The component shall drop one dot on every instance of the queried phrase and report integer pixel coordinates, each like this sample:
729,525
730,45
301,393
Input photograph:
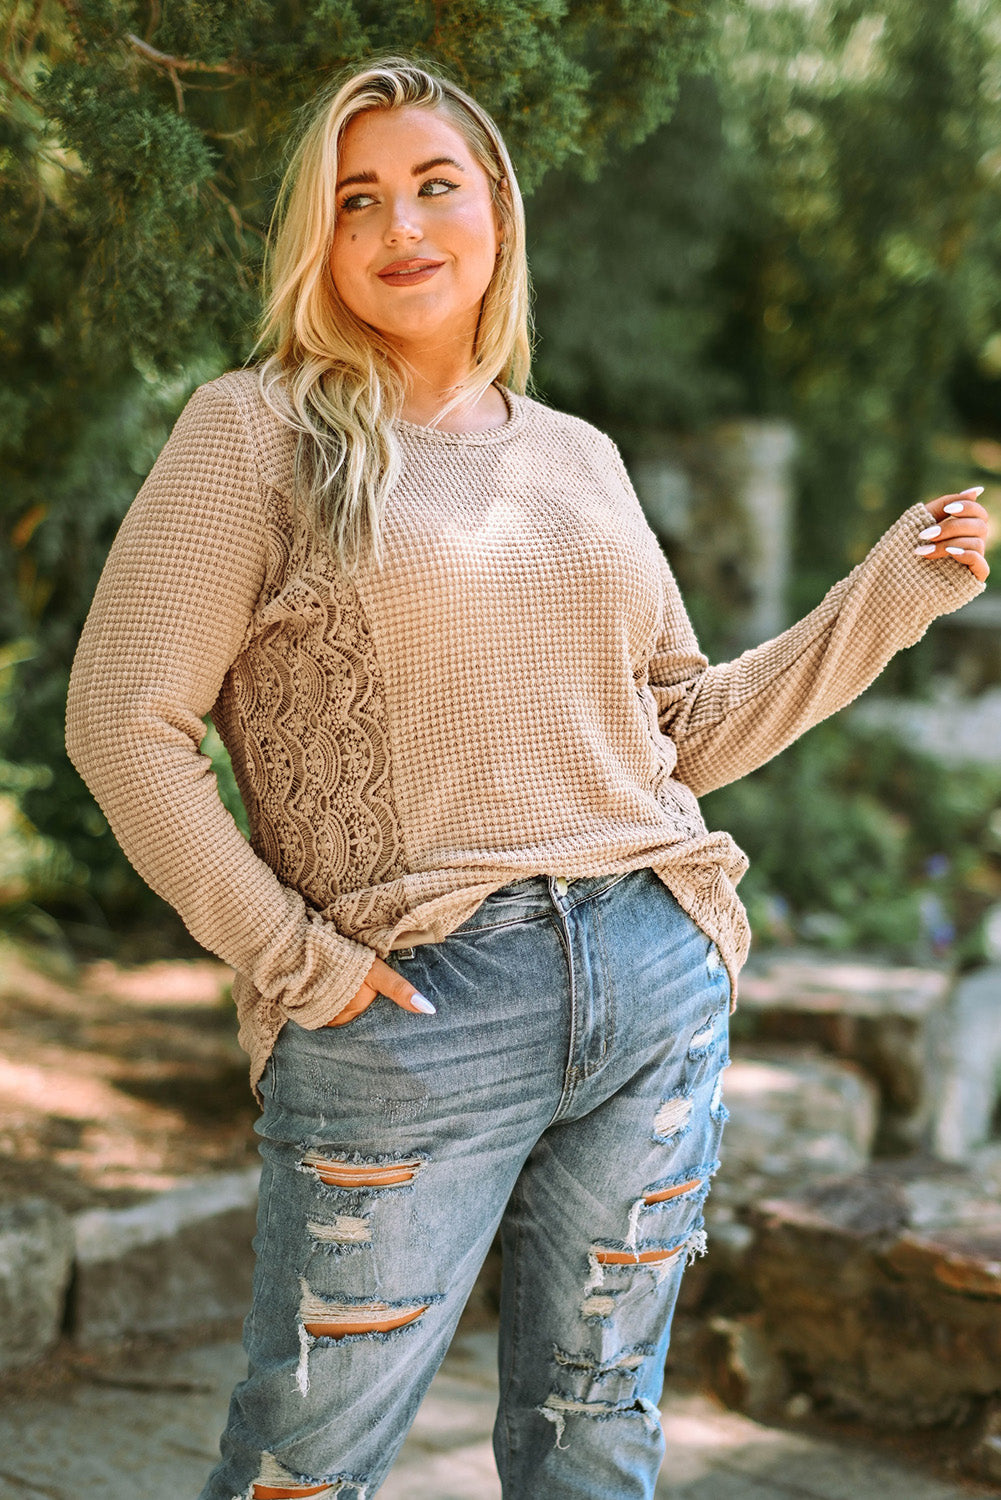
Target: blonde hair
330,376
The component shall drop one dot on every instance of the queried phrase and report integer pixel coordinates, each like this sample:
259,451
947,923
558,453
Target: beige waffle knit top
517,691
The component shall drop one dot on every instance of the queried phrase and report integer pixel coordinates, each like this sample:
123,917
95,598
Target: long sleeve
728,719
170,615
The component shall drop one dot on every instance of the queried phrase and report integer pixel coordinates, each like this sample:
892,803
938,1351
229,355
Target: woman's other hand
382,980
960,532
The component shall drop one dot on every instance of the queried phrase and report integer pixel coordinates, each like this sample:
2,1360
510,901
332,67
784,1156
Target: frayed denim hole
321,1146
274,1475
567,1359
701,1177
345,1234
714,1032
598,1307
346,1198
672,1119
556,1409
614,1380
314,1309
361,1303
717,1108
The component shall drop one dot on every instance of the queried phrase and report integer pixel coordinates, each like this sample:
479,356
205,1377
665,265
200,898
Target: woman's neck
432,383
489,409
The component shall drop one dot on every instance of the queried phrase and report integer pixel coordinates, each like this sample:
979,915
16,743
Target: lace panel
309,698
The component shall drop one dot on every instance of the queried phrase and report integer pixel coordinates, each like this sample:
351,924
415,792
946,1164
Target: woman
485,948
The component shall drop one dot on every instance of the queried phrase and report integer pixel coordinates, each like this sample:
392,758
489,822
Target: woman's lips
409,272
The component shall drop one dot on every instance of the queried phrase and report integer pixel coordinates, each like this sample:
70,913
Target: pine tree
141,145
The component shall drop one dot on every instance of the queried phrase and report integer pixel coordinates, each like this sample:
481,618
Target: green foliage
815,234
628,316
141,147
864,148
857,841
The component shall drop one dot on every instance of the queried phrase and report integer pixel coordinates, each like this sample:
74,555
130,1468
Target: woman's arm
170,614
727,720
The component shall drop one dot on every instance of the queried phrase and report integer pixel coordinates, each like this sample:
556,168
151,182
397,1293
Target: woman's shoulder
570,434
236,399
546,417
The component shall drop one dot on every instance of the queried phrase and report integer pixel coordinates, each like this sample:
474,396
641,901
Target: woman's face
416,238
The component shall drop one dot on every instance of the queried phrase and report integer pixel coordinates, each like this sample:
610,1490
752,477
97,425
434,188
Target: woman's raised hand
382,980
960,532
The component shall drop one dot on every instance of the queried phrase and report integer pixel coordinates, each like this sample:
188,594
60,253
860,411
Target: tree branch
154,18
34,26
15,83
11,26
239,222
72,11
180,64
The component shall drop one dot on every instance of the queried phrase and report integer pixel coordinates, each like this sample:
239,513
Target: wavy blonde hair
331,377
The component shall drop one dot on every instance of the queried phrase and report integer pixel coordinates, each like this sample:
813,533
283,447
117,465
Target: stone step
879,1292
179,1258
794,1111
794,1116
928,1039
36,1258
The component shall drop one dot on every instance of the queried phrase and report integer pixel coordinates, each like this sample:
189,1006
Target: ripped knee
339,1320
275,1482
338,1171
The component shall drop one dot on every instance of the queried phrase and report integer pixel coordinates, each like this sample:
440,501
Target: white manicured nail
929,532
923,551
955,551
424,1006
975,492
955,508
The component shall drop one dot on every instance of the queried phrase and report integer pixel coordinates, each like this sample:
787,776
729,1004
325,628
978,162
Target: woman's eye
436,187
355,202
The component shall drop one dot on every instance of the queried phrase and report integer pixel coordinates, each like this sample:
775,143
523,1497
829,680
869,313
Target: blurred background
765,237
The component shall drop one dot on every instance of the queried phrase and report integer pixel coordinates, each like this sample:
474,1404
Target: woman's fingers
382,980
358,1002
968,550
959,532
966,503
398,989
965,550
962,542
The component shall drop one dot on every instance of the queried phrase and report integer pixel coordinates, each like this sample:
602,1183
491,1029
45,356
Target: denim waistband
535,894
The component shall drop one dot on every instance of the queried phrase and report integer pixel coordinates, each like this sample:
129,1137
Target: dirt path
117,1080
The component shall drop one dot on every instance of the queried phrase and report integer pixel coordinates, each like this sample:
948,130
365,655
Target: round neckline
515,421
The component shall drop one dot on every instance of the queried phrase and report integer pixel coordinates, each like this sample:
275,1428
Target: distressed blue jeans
568,1091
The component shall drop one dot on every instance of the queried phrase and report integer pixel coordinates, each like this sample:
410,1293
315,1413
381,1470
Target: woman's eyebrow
356,177
437,161
424,166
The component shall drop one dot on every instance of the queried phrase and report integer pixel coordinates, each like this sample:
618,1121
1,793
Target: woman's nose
403,224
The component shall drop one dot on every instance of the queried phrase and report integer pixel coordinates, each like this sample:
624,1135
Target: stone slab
181,1258
36,1254
886,1018
965,1071
791,1112
793,1116
884,1290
